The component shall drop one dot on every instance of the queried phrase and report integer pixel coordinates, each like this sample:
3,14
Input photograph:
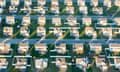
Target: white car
0,20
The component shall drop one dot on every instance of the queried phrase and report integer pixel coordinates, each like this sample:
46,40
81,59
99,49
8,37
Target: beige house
101,64
74,32
54,9
20,63
41,10
13,9
81,2
69,9
117,63
117,20
3,63
61,64
81,63
78,48
8,31
26,20
58,32
27,2
94,3
114,47
96,47
41,20
15,2
89,31
102,21
107,32
56,20
24,31
97,10
117,2
55,2
41,31
41,2
2,3
23,48
41,63
68,2
61,48
86,21
41,48
10,20
5,48
71,21
107,3
83,10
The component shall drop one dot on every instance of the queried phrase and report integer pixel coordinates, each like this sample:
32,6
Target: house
41,2
94,3
23,48
41,20
61,48
101,64
83,10
69,9
41,64
56,20
89,31
14,2
41,48
24,31
117,2
5,48
55,2
117,63
78,48
41,10
86,21
107,32
54,9
27,2
96,47
41,31
1,10
102,21
3,63
81,2
26,9
117,21
10,20
13,9
68,2
61,64
107,3
8,31
71,20
26,20
2,3
58,32
116,31
81,63
21,62
114,47
74,32
97,10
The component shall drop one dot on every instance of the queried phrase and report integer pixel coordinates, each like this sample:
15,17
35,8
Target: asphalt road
67,41
61,16
63,0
